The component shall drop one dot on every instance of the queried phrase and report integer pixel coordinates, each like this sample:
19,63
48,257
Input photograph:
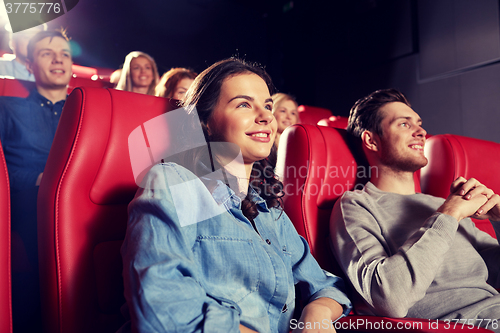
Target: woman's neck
140,90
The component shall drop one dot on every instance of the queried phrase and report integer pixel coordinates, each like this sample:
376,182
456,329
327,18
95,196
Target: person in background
175,83
235,270
15,65
115,77
139,74
27,129
286,114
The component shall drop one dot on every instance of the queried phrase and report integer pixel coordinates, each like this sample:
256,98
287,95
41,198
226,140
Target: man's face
51,63
401,146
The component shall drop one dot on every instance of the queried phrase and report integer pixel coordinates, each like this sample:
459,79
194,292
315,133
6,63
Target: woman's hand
318,316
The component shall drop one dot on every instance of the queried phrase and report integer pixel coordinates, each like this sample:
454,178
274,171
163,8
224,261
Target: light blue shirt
212,275
15,69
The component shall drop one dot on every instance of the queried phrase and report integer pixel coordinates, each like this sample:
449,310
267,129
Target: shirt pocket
229,268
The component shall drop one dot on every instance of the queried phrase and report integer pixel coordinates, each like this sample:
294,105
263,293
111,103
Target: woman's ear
370,141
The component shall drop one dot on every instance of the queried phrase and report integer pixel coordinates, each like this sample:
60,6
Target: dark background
443,54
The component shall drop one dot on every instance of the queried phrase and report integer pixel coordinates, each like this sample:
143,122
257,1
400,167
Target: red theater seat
5,249
334,121
317,166
20,88
451,156
95,82
311,114
15,88
82,208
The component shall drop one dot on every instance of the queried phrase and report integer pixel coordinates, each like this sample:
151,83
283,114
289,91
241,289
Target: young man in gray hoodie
409,254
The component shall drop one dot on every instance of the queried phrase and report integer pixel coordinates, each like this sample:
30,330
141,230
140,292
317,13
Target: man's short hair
41,35
365,114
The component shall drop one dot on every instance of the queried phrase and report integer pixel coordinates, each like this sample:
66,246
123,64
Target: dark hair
204,94
41,35
169,80
365,114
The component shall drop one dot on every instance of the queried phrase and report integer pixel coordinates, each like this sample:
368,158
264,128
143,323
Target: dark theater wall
444,55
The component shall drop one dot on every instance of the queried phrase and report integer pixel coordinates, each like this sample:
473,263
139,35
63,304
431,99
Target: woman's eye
244,104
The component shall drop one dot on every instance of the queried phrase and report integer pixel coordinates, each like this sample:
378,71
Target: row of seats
89,181
21,88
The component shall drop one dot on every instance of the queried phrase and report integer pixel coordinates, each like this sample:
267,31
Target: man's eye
269,107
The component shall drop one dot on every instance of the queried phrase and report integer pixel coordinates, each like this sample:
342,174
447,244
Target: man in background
14,65
27,129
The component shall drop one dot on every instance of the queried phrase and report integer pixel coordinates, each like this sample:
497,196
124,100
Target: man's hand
317,316
467,194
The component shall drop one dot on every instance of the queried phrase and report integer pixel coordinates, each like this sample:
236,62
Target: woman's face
181,88
141,72
243,115
286,114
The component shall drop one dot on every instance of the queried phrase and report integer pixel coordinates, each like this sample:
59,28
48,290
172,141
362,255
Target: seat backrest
77,81
310,115
451,156
334,121
5,249
82,208
316,167
15,88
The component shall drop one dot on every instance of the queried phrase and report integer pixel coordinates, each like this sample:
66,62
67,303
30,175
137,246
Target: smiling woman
139,74
235,270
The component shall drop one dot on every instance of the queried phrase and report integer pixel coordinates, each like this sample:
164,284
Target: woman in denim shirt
208,247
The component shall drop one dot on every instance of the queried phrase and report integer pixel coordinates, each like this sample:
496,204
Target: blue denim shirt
27,129
213,275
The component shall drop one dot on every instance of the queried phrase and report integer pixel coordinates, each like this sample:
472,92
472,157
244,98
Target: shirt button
55,113
285,309
41,104
268,241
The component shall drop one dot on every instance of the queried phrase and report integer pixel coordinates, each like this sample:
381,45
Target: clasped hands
470,198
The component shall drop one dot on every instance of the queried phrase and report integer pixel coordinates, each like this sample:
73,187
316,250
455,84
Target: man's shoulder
13,102
357,195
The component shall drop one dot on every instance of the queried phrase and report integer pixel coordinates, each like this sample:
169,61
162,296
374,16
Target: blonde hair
125,82
279,98
169,80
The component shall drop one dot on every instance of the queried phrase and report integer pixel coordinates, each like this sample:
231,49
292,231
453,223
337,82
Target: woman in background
175,83
201,255
139,74
286,114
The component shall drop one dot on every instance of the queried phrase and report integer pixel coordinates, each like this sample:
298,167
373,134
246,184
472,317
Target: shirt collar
223,194
36,97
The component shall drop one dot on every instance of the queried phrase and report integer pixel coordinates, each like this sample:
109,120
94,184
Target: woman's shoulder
166,174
